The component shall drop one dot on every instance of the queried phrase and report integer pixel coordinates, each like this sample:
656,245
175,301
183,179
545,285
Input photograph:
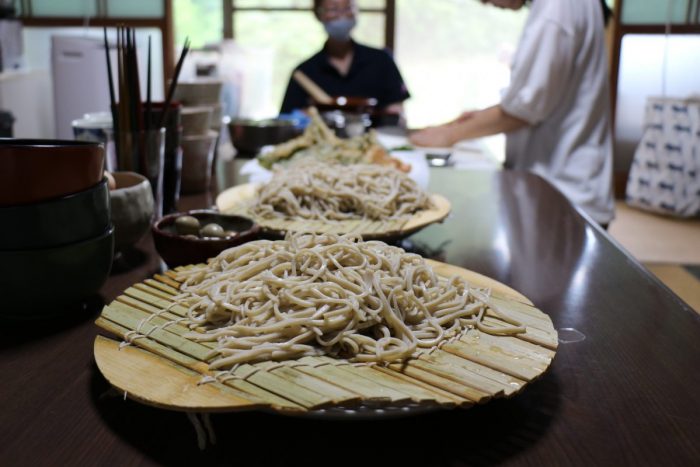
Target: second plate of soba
374,201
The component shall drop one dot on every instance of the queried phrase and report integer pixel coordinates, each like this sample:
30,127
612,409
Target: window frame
389,12
691,25
102,19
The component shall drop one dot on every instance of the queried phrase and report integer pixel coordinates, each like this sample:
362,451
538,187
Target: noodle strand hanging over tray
328,295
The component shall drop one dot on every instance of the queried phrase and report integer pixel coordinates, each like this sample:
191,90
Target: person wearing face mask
345,68
556,111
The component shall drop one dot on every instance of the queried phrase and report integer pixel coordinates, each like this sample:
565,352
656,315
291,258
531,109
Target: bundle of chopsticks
129,119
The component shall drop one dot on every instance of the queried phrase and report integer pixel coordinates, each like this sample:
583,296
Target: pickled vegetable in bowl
192,237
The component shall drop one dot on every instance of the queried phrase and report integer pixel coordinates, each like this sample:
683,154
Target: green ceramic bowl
48,281
60,221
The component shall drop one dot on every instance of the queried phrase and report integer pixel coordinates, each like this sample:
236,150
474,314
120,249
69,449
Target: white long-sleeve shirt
559,85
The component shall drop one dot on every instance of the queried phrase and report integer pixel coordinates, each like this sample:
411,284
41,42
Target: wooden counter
623,388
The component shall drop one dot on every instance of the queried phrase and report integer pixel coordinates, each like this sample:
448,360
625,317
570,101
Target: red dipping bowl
180,250
34,170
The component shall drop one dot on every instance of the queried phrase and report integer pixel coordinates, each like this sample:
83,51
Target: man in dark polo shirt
345,68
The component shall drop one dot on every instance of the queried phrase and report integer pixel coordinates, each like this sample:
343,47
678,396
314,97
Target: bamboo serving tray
163,369
236,200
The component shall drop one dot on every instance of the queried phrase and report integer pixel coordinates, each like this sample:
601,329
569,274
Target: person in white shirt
556,110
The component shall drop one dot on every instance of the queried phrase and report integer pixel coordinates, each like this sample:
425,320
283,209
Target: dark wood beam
228,18
168,31
390,25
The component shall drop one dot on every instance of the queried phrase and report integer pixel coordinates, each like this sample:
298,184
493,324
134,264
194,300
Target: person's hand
434,136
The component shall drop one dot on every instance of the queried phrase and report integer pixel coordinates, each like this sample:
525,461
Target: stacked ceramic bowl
201,125
57,239
132,208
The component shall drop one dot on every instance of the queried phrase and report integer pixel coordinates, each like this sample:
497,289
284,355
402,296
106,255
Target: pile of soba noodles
327,191
328,295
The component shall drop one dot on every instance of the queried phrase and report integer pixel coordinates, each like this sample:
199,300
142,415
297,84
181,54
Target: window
453,54
275,35
199,20
287,32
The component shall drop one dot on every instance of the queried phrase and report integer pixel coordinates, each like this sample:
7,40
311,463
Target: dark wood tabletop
623,388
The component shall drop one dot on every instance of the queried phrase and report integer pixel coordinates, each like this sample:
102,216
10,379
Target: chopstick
112,100
134,100
128,115
173,83
122,117
149,103
136,104
314,90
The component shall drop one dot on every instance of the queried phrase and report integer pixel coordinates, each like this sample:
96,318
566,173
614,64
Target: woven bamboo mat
164,369
237,200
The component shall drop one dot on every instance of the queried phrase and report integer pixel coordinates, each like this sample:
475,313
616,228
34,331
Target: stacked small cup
201,125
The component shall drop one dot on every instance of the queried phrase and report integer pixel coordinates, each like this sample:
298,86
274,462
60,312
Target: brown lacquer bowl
34,170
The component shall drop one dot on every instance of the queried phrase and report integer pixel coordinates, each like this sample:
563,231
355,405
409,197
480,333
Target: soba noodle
328,295
319,190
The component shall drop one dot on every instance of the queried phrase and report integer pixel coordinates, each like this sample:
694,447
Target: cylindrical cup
143,152
197,160
172,164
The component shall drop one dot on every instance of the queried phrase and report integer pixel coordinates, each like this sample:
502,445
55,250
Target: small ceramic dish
178,249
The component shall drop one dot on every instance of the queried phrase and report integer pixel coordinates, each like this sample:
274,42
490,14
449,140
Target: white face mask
339,29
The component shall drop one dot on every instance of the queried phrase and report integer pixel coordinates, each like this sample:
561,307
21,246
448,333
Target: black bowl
250,136
46,282
60,221
179,250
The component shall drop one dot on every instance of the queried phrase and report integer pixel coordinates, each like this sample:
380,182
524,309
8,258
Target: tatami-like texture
668,247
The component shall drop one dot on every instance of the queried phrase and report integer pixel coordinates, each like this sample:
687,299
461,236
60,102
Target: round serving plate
164,369
237,200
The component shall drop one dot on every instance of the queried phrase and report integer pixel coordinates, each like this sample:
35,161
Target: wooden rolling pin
314,90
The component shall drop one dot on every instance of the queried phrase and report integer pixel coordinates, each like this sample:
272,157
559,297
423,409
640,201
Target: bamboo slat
458,388
122,378
498,361
443,398
506,383
251,392
161,286
165,368
275,384
370,390
337,394
401,389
